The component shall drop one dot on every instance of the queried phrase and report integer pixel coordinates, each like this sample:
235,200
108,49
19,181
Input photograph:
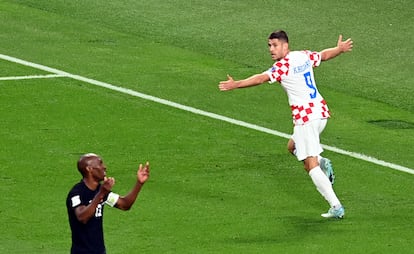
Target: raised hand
143,173
344,46
107,184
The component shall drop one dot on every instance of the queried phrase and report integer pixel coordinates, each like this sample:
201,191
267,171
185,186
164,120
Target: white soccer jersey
295,74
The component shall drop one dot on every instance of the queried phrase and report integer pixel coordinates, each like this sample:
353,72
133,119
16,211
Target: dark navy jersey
86,238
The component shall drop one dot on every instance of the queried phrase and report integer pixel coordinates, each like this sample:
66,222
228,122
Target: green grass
215,187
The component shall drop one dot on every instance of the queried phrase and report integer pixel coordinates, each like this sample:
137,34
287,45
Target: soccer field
136,81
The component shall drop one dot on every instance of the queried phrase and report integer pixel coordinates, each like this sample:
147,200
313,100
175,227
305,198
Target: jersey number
98,211
309,83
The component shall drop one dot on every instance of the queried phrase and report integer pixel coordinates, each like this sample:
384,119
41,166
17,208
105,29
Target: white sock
324,186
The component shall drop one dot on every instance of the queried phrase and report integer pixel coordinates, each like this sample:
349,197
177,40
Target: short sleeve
314,57
75,201
278,71
271,77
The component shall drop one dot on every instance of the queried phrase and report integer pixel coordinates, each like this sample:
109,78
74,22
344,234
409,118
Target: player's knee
310,163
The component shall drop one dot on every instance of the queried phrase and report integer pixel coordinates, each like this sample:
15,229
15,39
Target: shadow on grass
290,229
392,124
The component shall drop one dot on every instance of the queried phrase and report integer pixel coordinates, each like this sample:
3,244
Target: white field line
200,112
33,77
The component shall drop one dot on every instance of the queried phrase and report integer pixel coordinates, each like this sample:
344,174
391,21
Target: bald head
85,161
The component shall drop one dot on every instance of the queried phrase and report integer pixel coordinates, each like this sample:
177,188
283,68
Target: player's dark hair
280,35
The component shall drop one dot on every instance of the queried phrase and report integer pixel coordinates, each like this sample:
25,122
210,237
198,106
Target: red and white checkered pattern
295,74
315,57
281,69
301,114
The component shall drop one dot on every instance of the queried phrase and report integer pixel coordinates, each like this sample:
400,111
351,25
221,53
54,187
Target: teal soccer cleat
327,168
335,213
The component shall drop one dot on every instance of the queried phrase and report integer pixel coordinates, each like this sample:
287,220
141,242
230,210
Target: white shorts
306,138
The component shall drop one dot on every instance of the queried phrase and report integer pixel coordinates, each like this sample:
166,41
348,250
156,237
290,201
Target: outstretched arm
125,202
254,80
341,47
